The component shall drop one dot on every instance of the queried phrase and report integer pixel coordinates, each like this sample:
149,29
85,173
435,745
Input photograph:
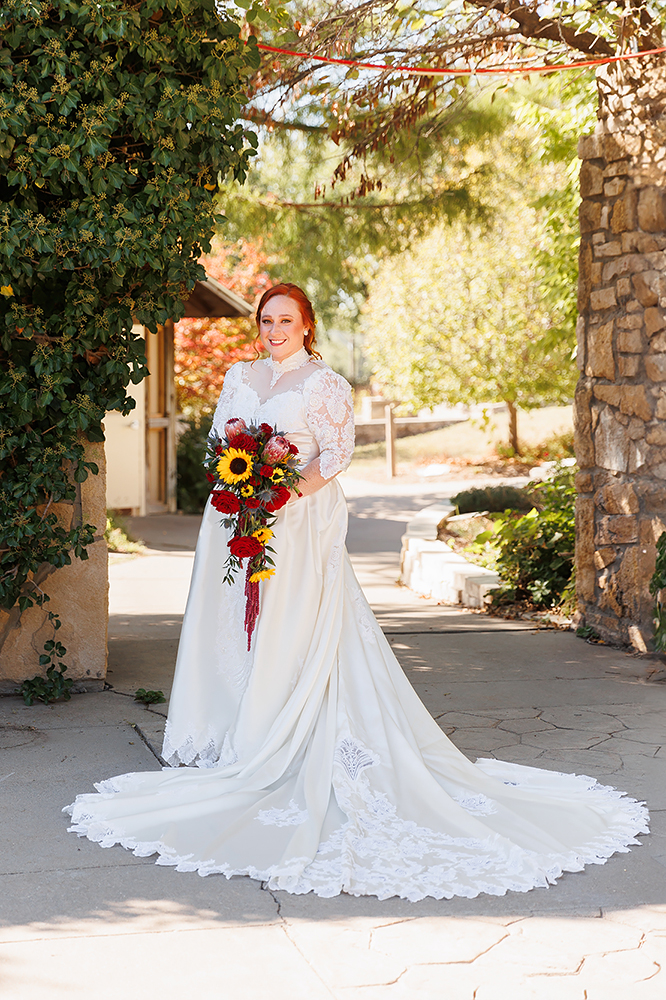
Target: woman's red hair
304,307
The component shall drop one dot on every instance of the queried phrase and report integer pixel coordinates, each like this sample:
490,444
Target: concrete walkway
80,922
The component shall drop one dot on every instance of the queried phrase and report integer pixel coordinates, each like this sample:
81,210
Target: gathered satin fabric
315,765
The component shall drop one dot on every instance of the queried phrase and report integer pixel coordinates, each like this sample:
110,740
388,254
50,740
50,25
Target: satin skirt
320,770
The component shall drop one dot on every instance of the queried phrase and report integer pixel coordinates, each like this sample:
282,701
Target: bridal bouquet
254,470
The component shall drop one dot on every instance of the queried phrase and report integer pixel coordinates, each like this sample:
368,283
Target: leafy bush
117,535
536,557
149,697
117,120
493,498
553,449
55,685
192,486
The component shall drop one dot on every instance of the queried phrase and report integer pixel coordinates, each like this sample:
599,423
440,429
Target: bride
318,767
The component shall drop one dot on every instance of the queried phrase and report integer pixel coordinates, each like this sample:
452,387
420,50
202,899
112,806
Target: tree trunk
513,427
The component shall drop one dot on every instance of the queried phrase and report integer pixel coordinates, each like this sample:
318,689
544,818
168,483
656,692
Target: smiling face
281,327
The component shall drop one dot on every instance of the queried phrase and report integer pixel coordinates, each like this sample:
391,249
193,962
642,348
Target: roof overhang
210,298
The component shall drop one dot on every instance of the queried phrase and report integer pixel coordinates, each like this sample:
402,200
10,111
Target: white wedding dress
319,768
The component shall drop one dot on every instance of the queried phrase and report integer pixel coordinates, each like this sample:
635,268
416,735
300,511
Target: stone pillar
620,406
79,594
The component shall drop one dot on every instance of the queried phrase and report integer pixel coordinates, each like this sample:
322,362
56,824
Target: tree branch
349,204
533,26
265,118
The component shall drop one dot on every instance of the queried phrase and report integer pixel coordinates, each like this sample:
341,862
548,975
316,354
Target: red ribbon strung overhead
466,71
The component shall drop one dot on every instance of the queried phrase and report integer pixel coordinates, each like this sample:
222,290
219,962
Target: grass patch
545,434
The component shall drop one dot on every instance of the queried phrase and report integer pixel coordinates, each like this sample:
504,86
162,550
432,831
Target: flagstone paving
77,921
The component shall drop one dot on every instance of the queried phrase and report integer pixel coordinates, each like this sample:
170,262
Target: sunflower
247,491
263,535
235,466
261,574
278,475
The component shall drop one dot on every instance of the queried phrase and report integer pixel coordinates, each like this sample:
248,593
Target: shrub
553,449
493,498
117,120
192,486
536,557
118,536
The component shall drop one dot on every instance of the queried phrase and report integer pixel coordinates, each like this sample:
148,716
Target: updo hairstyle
304,307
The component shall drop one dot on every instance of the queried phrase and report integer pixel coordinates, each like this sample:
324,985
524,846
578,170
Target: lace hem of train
379,854
201,752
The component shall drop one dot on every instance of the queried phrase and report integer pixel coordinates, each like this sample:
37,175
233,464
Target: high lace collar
289,364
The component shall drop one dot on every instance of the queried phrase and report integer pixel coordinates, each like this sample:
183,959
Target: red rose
266,470
225,501
219,449
244,441
266,428
280,497
210,477
243,546
293,449
252,503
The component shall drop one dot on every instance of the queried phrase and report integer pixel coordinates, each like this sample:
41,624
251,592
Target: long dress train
319,768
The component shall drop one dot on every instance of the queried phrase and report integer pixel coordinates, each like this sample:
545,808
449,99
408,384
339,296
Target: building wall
141,447
79,594
620,409
125,448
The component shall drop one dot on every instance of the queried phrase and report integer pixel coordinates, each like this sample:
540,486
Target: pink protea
233,428
276,449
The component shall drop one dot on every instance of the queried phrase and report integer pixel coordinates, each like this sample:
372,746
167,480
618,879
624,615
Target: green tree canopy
460,319
330,242
387,108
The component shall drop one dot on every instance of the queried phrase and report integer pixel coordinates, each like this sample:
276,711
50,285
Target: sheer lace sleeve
329,413
225,404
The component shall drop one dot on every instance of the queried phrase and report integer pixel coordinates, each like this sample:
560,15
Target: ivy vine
117,121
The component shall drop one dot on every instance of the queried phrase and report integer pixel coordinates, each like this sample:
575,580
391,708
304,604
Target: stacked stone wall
620,408
78,593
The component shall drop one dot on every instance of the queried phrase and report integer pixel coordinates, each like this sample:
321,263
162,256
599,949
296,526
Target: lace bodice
303,397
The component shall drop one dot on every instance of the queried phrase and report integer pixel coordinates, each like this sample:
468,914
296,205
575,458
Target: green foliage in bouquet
117,121
536,558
